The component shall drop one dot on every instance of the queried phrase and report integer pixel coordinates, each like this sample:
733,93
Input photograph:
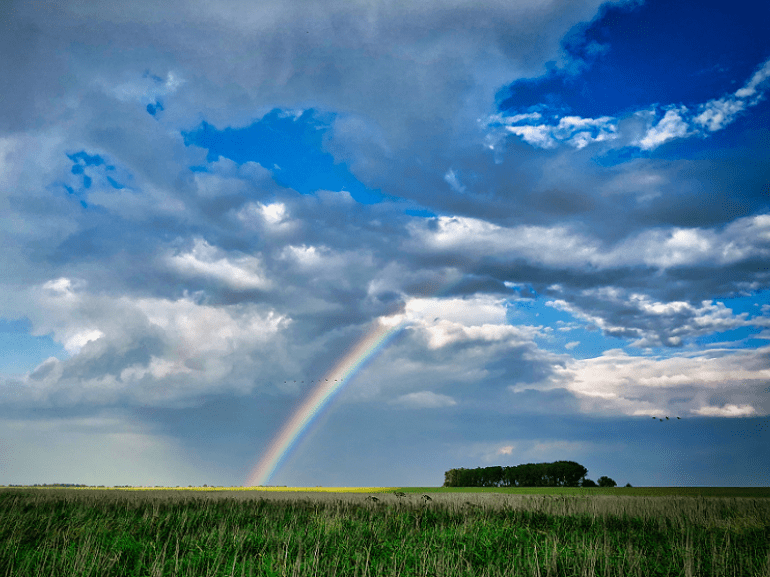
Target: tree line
557,474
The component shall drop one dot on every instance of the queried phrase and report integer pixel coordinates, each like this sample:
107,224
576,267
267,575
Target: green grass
74,532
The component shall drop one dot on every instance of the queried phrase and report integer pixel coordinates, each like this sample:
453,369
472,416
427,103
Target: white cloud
241,273
540,136
727,411
757,80
669,127
576,131
454,181
140,348
62,295
273,218
445,321
561,247
275,213
717,114
425,400
619,383
475,311
548,245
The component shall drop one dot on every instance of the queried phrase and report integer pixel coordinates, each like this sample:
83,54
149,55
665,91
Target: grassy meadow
279,531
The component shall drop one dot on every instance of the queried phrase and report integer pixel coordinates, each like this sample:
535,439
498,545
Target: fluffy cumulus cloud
205,206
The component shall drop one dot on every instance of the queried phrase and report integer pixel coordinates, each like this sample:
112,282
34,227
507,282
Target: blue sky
566,204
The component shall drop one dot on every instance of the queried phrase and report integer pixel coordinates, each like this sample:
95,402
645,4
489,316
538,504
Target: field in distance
744,492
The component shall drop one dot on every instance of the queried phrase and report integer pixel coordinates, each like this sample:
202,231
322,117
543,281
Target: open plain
221,531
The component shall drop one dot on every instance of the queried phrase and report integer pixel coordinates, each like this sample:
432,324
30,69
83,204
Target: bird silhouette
667,418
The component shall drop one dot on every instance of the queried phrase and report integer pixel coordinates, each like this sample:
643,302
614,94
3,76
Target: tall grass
153,533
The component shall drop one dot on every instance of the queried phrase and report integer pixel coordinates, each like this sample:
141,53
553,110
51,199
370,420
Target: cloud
669,127
728,411
453,181
690,384
425,400
573,130
242,273
147,350
558,246
651,323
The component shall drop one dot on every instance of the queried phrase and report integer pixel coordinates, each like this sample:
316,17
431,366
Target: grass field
219,531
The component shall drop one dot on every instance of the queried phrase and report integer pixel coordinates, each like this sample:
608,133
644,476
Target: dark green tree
558,474
606,482
588,483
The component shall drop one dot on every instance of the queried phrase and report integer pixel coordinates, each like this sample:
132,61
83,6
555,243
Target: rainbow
373,342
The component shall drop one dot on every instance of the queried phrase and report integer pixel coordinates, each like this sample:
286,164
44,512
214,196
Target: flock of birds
662,419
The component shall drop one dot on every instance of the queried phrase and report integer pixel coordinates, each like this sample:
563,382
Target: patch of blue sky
22,352
114,183
420,212
636,55
290,146
84,163
754,304
742,337
86,159
563,333
615,156
154,107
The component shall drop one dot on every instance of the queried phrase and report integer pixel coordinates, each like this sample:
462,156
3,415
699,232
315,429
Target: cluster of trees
558,474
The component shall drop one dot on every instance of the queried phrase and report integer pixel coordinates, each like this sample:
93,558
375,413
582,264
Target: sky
361,243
